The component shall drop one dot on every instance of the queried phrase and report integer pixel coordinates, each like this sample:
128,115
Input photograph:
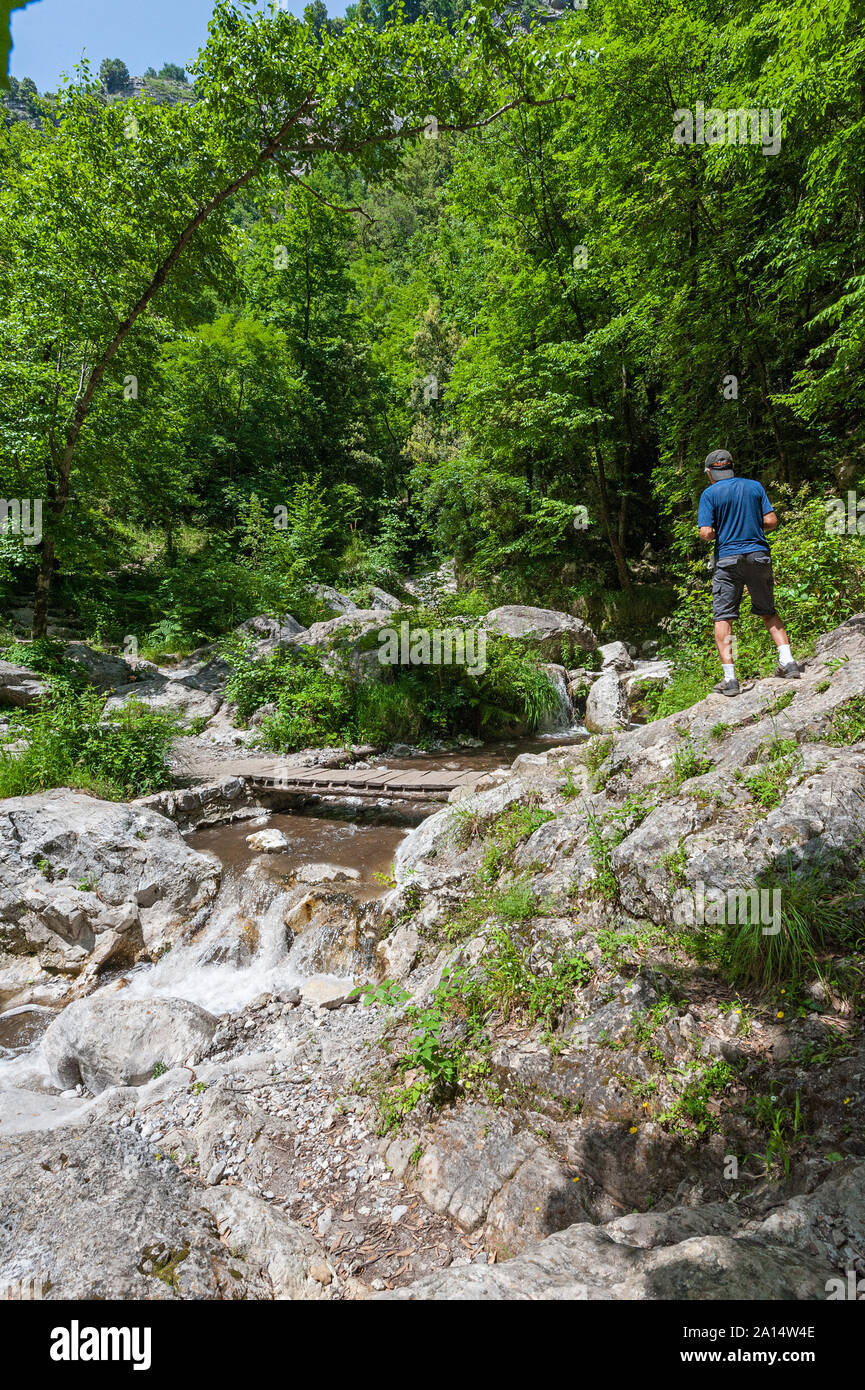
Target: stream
245,949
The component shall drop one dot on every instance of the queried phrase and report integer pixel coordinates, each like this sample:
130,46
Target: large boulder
112,1040
20,686
333,600
269,633
616,655
556,636
607,707
101,670
182,697
346,629
74,869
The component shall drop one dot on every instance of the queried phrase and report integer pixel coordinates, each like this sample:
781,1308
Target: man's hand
770,521
707,533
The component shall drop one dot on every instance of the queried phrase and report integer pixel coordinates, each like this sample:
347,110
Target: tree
273,95
173,71
114,74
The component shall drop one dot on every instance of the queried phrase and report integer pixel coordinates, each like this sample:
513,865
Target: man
735,513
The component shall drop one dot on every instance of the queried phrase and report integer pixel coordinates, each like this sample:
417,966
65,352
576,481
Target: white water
212,970
218,970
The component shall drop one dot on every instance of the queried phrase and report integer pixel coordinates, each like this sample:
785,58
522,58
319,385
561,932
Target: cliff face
164,91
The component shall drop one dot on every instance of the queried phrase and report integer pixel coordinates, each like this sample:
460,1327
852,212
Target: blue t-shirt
735,507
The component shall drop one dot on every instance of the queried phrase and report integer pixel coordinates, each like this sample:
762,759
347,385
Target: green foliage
69,743
688,763
820,907
387,994
768,785
847,724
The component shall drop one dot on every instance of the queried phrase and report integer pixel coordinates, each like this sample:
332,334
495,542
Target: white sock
729,671
785,656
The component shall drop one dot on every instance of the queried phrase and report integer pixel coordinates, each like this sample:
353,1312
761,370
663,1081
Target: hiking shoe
788,673
727,687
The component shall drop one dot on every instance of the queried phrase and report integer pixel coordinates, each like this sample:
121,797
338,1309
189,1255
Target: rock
382,599
345,630
104,1219
519,1191
270,633
398,952
335,601
607,705
72,867
584,1263
268,841
181,697
102,670
324,992
647,673
111,1040
616,655
557,636
649,651
325,873
267,1240
20,686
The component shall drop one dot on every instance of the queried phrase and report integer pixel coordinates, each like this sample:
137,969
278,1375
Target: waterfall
561,719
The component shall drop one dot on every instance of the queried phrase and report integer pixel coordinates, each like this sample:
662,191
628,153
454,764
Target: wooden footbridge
402,784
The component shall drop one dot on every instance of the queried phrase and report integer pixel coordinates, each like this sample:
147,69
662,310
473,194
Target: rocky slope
563,1092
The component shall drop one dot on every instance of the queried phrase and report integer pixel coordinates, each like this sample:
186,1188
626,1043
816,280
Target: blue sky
49,36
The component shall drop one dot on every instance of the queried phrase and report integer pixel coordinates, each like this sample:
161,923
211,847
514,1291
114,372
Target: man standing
736,514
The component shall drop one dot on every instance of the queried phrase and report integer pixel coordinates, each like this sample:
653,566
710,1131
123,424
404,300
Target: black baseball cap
719,459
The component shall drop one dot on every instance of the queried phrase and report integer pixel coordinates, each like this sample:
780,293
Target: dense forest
437,283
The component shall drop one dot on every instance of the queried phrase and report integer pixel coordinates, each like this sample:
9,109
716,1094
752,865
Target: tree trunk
43,587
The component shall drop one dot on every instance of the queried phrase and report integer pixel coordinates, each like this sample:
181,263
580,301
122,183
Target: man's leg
726,597
778,633
724,640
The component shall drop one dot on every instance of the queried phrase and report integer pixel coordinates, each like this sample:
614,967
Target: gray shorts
733,573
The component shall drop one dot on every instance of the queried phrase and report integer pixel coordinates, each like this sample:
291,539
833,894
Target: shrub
70,744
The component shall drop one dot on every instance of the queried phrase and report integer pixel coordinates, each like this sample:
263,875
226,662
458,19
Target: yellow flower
846,1100
780,1013
575,1180
783,991
633,1129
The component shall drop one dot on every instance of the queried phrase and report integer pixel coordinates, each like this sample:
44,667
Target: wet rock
325,873
268,841
110,1040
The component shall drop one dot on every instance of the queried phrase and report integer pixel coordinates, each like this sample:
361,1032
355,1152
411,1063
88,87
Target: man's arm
770,521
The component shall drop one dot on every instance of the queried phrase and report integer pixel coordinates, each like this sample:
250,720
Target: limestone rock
607,705
110,1040
557,636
